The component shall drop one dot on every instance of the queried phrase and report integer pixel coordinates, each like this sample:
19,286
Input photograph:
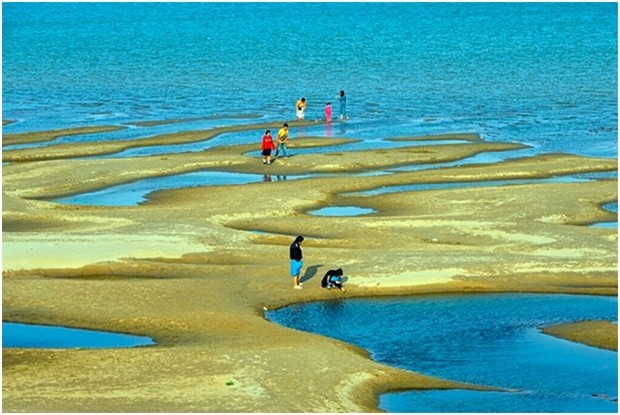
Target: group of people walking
332,278
268,145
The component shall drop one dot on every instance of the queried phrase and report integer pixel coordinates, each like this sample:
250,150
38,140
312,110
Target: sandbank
196,268
42,136
69,150
602,334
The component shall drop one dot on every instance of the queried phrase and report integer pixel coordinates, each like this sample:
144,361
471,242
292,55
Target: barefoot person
282,140
266,146
296,261
333,278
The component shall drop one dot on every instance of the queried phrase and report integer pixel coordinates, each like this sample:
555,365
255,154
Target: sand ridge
195,268
602,334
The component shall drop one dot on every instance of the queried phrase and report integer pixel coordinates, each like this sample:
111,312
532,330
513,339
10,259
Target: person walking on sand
266,146
282,140
328,112
300,108
332,279
343,106
296,261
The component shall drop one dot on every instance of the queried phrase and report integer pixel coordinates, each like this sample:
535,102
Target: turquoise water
611,207
544,74
342,211
134,193
492,340
18,335
573,178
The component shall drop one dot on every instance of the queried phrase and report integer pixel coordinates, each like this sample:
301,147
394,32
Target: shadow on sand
310,272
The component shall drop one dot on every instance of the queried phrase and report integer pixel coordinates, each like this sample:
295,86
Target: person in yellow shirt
300,108
282,140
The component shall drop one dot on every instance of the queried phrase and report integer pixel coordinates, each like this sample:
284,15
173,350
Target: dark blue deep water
492,340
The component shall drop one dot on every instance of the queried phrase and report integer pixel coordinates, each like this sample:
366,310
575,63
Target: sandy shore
195,268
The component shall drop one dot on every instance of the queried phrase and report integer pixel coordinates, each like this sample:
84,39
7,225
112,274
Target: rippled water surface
540,73
492,340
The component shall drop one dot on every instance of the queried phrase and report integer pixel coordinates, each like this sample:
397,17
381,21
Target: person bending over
333,278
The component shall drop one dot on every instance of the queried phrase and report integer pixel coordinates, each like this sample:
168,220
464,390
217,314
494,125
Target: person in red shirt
266,147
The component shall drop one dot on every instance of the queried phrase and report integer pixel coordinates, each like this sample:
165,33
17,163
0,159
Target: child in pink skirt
328,112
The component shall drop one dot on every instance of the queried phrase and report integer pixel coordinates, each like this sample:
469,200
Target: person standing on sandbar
296,261
282,140
266,146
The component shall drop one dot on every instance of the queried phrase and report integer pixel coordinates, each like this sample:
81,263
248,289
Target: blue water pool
572,178
611,207
492,340
134,193
342,211
18,335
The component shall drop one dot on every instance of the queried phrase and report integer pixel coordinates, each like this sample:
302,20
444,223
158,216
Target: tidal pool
492,340
18,335
134,193
574,178
341,211
611,207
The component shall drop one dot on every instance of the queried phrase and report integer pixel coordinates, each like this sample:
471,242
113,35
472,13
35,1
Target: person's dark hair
285,125
268,132
303,100
339,272
299,239
341,92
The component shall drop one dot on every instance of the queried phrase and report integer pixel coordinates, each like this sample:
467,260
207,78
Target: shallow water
573,178
493,340
17,335
540,73
341,211
612,207
543,74
134,193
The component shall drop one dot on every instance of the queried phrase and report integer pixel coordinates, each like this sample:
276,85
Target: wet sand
602,334
196,268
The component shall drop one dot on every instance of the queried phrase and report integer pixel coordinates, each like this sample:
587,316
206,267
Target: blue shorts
296,267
